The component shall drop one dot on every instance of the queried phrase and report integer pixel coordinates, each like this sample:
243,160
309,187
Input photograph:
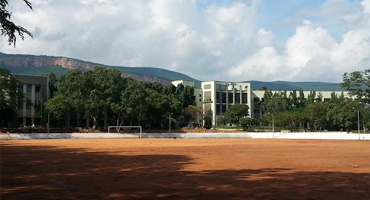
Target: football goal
117,129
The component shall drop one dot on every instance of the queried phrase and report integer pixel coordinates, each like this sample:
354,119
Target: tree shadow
40,172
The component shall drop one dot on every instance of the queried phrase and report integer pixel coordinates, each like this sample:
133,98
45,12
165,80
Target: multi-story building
35,91
218,96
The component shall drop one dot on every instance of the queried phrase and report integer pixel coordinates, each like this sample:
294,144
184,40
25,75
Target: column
33,101
24,110
241,95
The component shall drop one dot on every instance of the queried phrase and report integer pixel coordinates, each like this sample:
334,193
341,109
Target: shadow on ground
39,172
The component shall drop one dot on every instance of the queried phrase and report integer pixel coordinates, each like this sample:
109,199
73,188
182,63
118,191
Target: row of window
28,105
221,97
29,88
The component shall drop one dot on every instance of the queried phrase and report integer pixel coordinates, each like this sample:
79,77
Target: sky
226,40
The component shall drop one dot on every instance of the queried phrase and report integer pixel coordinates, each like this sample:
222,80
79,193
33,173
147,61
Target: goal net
131,130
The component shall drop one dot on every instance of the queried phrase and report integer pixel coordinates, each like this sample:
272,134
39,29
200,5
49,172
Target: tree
53,84
73,90
275,102
358,84
9,96
235,113
133,102
8,28
160,106
58,107
291,118
318,114
103,85
247,122
311,97
193,113
342,113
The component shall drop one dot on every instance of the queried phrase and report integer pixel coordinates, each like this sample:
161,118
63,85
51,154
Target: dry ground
185,169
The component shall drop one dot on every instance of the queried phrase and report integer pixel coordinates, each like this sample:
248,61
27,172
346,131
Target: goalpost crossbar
139,127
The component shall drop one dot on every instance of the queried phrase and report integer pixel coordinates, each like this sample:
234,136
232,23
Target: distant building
35,90
218,96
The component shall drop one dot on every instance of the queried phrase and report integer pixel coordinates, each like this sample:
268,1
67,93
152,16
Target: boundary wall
265,135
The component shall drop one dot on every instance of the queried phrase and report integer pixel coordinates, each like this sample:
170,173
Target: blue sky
230,40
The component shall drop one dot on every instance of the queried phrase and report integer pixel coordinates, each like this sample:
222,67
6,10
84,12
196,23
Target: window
29,87
20,89
256,99
223,108
245,98
218,97
38,88
218,110
237,97
223,97
256,111
206,87
28,104
207,96
230,98
28,121
222,87
207,108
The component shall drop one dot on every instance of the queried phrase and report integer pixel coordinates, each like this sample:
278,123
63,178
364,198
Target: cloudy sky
230,40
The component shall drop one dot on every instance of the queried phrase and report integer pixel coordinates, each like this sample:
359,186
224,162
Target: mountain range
38,65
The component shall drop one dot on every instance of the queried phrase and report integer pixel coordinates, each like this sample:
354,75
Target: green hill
37,65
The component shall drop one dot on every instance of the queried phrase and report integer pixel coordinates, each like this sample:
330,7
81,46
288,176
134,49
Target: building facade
218,96
35,91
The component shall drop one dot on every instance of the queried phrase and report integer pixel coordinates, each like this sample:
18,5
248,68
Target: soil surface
185,169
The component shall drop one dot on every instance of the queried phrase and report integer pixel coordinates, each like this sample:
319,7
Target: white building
216,97
219,96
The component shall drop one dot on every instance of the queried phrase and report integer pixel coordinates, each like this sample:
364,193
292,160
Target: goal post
138,127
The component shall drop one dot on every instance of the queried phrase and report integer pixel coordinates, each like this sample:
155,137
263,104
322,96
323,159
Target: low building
35,90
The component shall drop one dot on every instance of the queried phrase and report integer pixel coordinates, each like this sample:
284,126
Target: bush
247,122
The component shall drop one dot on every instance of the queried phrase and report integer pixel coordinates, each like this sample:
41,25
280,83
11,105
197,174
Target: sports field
185,169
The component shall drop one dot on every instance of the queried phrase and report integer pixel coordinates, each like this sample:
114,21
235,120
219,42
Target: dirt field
185,169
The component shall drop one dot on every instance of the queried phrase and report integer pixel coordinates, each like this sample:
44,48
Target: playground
153,168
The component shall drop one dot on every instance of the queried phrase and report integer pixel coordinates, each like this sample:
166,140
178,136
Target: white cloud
310,54
264,37
213,41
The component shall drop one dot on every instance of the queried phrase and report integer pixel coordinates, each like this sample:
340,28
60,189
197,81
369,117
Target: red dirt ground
185,169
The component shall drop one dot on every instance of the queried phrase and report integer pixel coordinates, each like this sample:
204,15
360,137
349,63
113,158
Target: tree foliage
8,28
193,113
9,96
291,118
247,122
102,93
235,113
358,84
